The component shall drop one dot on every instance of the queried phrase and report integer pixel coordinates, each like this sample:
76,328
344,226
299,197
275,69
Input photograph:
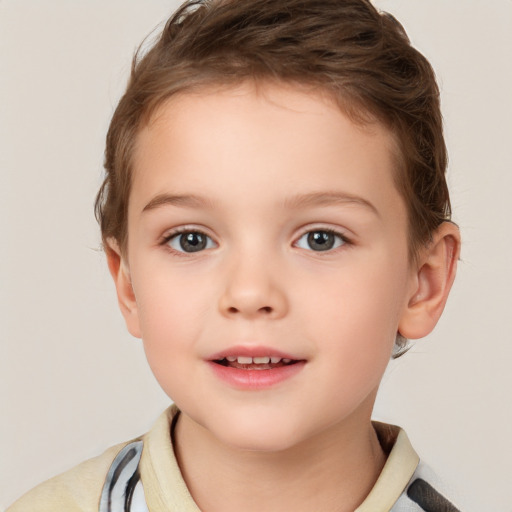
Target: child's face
301,254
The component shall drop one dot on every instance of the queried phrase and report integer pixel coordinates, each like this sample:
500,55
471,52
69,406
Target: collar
165,488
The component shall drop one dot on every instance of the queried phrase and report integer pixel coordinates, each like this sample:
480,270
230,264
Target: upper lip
252,351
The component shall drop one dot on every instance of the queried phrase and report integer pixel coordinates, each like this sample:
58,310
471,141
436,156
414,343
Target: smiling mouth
255,363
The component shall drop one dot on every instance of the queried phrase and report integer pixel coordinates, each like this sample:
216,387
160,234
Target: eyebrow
183,200
295,202
327,199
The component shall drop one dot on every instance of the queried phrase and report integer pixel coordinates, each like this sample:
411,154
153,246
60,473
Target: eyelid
186,228
329,228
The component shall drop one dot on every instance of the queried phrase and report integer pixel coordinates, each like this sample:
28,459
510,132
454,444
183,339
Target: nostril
264,309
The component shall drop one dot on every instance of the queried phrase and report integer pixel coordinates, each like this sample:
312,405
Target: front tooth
275,360
261,360
244,360
231,359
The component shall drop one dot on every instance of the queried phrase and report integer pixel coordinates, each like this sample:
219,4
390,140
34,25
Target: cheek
169,327
355,331
171,312
358,311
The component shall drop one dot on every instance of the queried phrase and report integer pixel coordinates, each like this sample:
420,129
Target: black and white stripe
423,494
123,490
430,500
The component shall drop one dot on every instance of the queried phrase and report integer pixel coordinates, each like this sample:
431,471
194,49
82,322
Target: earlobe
431,283
125,296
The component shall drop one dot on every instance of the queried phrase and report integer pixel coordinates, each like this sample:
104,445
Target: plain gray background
74,382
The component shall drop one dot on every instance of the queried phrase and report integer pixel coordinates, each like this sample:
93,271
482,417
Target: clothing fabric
143,476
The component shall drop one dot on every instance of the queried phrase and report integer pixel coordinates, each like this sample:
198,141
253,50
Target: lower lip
256,379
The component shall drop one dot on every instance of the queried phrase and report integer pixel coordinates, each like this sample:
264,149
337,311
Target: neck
333,471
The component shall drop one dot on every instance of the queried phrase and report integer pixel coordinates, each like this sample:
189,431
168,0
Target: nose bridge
252,286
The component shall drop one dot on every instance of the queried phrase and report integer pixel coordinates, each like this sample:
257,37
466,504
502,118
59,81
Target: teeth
256,360
261,360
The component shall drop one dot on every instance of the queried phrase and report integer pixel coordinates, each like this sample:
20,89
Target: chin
261,442
253,434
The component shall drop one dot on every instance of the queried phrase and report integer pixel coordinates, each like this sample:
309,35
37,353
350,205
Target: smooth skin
258,172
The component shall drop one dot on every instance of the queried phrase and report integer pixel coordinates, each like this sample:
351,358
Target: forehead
267,139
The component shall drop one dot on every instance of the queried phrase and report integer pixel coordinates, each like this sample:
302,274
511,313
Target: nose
252,289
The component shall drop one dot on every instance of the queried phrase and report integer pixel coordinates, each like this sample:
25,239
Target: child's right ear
126,298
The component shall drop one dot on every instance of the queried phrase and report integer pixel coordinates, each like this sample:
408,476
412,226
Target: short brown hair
360,56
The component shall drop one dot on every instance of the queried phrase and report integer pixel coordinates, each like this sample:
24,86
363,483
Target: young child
277,224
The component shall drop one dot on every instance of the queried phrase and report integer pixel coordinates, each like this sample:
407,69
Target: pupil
321,240
192,242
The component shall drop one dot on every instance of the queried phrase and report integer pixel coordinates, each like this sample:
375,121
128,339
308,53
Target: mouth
254,368
255,363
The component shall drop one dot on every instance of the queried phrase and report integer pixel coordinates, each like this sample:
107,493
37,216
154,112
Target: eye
190,241
320,240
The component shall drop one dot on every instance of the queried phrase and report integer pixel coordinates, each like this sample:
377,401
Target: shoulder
76,490
111,481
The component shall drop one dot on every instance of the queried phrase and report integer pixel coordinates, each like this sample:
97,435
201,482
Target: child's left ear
431,282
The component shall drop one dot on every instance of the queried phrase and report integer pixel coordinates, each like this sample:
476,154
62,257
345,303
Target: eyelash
342,239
